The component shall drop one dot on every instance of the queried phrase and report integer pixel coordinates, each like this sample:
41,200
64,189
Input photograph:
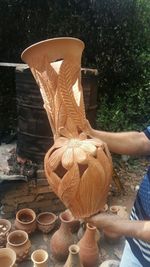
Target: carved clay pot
89,251
7,257
5,227
26,220
39,258
18,241
74,257
78,167
62,239
46,221
74,223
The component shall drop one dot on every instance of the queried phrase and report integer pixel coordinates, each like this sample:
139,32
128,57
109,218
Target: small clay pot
26,220
7,257
40,258
5,227
18,241
46,221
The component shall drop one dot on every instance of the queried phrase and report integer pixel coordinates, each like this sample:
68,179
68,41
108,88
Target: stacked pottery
26,220
110,236
46,221
73,259
39,258
7,257
89,251
62,239
18,241
5,227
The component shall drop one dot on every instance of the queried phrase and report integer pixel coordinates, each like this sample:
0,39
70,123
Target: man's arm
129,143
122,227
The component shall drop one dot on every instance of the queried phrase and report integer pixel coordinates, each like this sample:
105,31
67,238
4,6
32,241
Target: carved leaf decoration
67,158
55,158
61,141
54,181
60,112
65,83
69,185
105,161
80,155
91,186
70,125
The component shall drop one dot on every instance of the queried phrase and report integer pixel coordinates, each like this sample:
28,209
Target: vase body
62,239
46,221
19,242
39,258
73,259
78,167
89,251
7,257
74,224
5,227
26,220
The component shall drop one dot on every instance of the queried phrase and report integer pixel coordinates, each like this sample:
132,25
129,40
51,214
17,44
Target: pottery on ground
89,251
40,258
5,227
26,220
18,241
46,221
74,223
62,239
7,257
73,259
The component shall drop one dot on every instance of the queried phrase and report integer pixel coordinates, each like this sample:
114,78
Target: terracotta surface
74,223
26,220
62,239
89,251
40,258
7,257
19,242
46,221
5,227
74,257
78,167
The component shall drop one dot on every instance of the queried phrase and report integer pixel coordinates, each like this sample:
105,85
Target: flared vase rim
17,232
31,212
46,213
38,251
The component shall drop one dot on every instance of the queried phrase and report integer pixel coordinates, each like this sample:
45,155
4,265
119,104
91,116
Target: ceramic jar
89,251
39,258
5,227
62,239
46,221
73,259
26,220
82,231
18,241
7,257
74,223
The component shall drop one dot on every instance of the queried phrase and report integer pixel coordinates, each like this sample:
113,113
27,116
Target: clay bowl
46,221
5,227
7,257
26,220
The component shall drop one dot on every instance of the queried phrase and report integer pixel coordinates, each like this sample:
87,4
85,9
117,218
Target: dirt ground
128,172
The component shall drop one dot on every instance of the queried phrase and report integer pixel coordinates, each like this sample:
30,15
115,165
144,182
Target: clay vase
89,251
78,166
61,239
46,221
7,257
73,259
26,220
39,258
74,223
5,227
18,241
82,231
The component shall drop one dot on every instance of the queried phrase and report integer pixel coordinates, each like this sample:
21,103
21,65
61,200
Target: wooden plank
14,65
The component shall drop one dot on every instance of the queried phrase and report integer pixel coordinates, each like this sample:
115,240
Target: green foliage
117,40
